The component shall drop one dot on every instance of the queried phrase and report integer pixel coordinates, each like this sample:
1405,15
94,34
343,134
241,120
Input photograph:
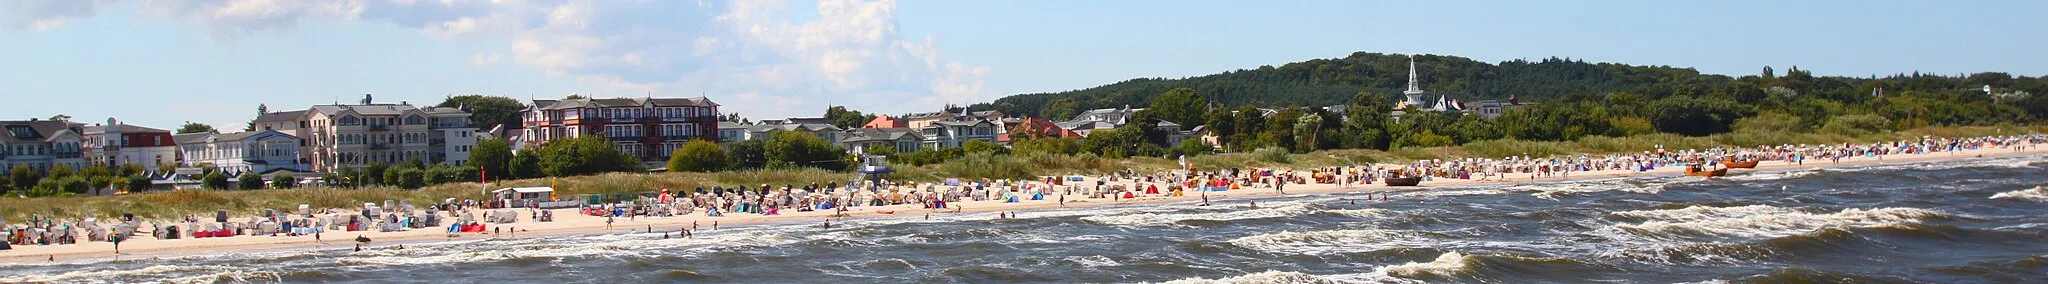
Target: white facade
253,151
348,136
41,144
116,144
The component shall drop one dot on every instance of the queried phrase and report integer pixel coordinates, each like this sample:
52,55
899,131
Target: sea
1959,221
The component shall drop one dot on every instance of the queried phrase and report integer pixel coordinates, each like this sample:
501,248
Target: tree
249,181
137,184
58,171
215,180
194,127
524,164
373,174
486,112
750,154
408,178
493,156
846,118
979,146
790,148
1062,109
414,162
1052,146
584,155
697,156
23,177
1367,119
283,180
1193,147
1180,105
73,185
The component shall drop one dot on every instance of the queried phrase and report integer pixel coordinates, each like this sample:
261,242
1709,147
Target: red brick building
648,128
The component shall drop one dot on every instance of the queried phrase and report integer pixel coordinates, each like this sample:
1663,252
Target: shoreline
570,223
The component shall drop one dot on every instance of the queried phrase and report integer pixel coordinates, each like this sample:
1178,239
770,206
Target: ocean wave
2038,193
1761,221
1758,176
1551,191
1093,261
1340,241
1267,277
1164,219
1363,213
151,273
1459,267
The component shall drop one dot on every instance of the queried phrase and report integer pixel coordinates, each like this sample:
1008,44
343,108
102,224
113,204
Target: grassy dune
178,203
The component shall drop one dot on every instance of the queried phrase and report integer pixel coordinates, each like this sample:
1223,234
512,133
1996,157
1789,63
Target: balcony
446,126
678,138
437,141
380,128
379,146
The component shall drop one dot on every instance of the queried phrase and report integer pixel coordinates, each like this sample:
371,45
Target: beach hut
516,196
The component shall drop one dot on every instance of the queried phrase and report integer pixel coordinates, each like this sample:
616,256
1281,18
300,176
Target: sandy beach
569,222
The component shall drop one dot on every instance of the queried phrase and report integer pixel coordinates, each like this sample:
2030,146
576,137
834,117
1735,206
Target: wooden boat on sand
1404,181
1732,164
1696,172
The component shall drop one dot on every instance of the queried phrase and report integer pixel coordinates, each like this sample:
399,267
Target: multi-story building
116,144
901,140
920,120
40,144
648,128
261,151
951,134
347,136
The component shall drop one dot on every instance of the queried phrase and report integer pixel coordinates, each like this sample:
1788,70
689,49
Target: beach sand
570,222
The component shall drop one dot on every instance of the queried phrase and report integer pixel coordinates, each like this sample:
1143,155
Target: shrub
215,180
249,181
978,146
1856,124
1771,122
1512,147
697,156
283,180
986,165
408,178
1275,155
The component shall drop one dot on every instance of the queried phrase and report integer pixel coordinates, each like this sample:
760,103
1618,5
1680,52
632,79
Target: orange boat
1732,164
1696,172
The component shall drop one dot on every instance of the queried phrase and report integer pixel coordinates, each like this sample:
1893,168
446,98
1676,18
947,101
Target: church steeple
1414,92
1413,87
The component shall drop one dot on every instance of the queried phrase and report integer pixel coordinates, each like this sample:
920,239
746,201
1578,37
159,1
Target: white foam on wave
1447,264
1093,261
1270,277
1289,209
1338,241
1774,175
211,274
2038,193
1551,191
601,245
1764,221
1363,213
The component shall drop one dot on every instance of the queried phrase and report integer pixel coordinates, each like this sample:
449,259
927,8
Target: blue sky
159,63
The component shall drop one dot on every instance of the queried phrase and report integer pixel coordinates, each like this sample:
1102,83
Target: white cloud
767,56
485,59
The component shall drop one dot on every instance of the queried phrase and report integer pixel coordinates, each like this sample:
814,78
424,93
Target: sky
161,63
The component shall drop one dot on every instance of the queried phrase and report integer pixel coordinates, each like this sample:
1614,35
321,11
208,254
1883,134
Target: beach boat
1732,164
1696,172
1404,181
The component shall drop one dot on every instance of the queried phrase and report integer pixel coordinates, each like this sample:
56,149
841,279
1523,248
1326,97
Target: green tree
194,127
408,178
525,164
697,156
804,150
1062,109
750,154
1193,147
249,181
72,184
846,118
137,183
1182,106
23,177
1046,146
58,171
584,155
283,180
373,174
486,112
214,180
979,146
493,156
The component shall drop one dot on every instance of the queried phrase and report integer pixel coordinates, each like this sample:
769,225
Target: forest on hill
1335,81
